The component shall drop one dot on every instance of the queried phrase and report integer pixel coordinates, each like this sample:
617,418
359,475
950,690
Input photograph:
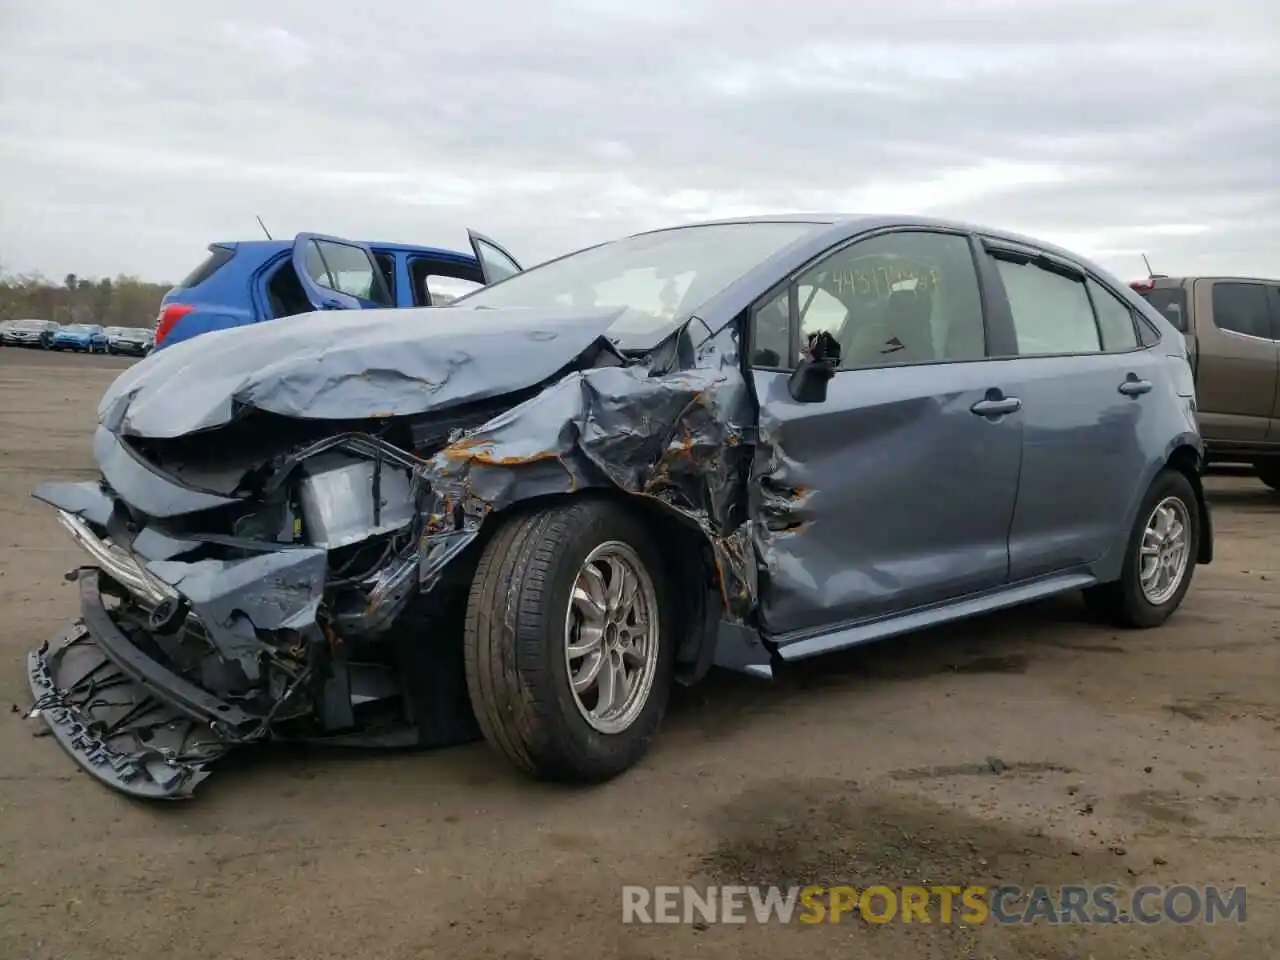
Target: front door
897,490
339,274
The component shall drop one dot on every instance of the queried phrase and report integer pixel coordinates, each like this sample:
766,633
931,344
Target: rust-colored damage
476,450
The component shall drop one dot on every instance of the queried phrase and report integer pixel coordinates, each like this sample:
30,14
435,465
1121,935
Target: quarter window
900,298
1051,311
1242,308
1115,319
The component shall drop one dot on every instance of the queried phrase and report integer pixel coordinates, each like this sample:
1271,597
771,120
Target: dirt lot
1032,747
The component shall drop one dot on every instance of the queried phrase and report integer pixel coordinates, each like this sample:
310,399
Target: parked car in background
1232,330
135,341
742,443
255,280
80,337
29,333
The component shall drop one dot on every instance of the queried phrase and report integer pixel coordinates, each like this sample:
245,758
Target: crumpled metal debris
673,436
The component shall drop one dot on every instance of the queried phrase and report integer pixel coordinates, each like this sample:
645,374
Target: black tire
1122,601
1268,472
514,643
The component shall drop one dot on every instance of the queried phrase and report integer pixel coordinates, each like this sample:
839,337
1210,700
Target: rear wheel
567,644
1268,472
1160,558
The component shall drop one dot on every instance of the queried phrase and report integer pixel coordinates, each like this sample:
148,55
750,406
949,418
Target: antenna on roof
1150,272
268,232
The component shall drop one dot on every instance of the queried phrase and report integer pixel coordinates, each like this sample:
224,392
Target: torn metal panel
88,501
85,499
339,365
233,600
677,437
138,484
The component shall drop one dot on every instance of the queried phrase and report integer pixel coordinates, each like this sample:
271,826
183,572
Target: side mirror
819,362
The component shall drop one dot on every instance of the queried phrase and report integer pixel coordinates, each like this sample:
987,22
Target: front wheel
568,646
1159,560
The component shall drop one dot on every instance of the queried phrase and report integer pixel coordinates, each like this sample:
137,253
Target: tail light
169,315
1148,284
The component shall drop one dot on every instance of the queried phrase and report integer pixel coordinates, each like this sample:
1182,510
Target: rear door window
444,290
1051,311
1171,302
1242,308
438,282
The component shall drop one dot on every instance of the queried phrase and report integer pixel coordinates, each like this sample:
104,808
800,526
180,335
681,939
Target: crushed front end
258,596
282,551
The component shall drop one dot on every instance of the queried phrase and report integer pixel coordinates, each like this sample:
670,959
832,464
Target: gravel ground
1029,747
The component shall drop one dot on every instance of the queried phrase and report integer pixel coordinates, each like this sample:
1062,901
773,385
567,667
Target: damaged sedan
525,516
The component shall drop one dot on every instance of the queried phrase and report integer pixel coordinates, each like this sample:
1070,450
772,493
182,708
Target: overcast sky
134,132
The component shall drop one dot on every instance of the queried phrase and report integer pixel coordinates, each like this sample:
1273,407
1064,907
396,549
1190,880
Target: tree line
124,301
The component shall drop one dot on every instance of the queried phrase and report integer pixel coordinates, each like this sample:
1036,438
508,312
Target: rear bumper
155,733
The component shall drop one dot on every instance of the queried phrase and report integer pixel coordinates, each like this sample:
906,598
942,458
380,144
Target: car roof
1164,280
270,247
858,222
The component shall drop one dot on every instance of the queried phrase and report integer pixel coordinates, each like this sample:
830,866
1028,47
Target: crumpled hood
347,364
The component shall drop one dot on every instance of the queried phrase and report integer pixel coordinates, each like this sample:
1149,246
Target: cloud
137,132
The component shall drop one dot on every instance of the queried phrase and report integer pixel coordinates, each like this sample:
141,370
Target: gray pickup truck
1232,328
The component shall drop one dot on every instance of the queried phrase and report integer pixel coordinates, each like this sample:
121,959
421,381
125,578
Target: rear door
1273,296
495,263
1088,392
1238,360
339,274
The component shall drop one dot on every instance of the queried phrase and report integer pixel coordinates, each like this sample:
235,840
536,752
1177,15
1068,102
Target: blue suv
250,281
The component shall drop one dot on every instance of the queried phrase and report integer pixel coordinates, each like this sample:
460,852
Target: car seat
908,334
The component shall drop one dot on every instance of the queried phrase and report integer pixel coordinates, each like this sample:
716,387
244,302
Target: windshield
1171,301
654,277
29,324
75,328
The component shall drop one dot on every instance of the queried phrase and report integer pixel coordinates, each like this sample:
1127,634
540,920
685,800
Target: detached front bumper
122,715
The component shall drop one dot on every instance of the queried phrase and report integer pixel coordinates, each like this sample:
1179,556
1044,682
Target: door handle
1133,387
996,408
